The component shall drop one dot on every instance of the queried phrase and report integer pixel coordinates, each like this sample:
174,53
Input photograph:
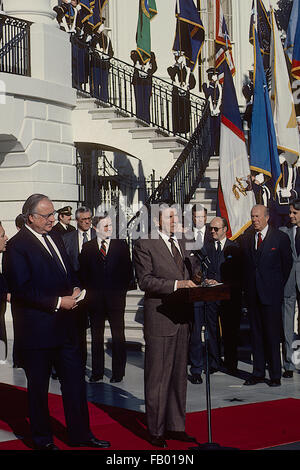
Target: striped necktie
103,249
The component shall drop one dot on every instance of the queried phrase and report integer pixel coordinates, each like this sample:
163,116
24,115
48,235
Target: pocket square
273,249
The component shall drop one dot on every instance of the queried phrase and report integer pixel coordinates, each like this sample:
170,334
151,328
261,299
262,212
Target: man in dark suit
75,239
291,290
63,224
106,272
43,291
225,266
3,299
73,242
267,262
163,265
197,238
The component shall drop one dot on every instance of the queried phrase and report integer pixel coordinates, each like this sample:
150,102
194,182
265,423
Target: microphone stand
210,445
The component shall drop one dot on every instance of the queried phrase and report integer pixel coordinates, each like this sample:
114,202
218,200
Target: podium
205,294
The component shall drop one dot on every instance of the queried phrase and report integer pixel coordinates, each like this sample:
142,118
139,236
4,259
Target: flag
235,196
147,10
263,30
98,12
263,146
86,13
189,37
223,43
291,31
282,102
295,71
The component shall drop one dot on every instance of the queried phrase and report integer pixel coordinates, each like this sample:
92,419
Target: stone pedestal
37,11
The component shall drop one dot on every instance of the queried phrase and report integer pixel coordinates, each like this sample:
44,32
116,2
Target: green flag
147,10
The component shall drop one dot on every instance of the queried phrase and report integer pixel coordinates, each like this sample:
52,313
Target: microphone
204,259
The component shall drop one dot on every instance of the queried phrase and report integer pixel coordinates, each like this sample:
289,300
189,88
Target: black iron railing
170,108
14,45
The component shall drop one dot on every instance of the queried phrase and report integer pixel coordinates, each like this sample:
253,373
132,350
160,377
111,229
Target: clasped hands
69,302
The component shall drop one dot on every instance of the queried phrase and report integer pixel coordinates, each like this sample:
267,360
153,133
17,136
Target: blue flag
291,32
189,36
263,147
98,13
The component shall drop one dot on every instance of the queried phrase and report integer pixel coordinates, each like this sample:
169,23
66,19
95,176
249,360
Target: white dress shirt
263,234
80,237
107,243
166,239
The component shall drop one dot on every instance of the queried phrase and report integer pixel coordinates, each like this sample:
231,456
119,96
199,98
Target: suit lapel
165,252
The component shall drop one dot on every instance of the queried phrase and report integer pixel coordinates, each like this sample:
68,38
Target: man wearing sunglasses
43,289
225,266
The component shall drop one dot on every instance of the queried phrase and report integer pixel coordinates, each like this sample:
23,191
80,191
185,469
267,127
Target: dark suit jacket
106,281
35,283
267,269
71,243
3,288
58,228
156,273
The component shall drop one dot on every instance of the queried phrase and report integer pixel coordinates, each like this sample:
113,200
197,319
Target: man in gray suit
292,288
162,265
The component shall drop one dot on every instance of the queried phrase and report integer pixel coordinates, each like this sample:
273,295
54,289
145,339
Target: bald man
267,258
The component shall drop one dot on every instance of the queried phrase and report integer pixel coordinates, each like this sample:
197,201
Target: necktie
259,240
218,248
177,256
297,241
85,237
199,240
54,254
103,249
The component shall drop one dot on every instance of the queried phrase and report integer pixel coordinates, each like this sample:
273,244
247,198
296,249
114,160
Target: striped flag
235,196
223,43
263,146
295,71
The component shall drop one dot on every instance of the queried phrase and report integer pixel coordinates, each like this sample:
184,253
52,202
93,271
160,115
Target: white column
38,11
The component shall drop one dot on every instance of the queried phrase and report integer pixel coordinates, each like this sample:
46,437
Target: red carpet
246,427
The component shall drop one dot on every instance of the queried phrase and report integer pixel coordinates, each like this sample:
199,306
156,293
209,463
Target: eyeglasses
215,229
86,218
47,216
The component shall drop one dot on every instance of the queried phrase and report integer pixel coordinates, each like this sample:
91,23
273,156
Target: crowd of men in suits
62,279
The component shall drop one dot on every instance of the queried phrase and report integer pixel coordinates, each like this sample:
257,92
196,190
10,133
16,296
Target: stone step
206,193
104,113
127,123
167,142
214,163
146,133
87,103
176,152
209,183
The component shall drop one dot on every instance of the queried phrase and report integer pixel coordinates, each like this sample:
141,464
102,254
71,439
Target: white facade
39,121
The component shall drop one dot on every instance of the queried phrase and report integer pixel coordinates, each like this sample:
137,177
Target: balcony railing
14,45
172,109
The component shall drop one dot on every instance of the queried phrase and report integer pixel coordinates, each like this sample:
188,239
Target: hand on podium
185,284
